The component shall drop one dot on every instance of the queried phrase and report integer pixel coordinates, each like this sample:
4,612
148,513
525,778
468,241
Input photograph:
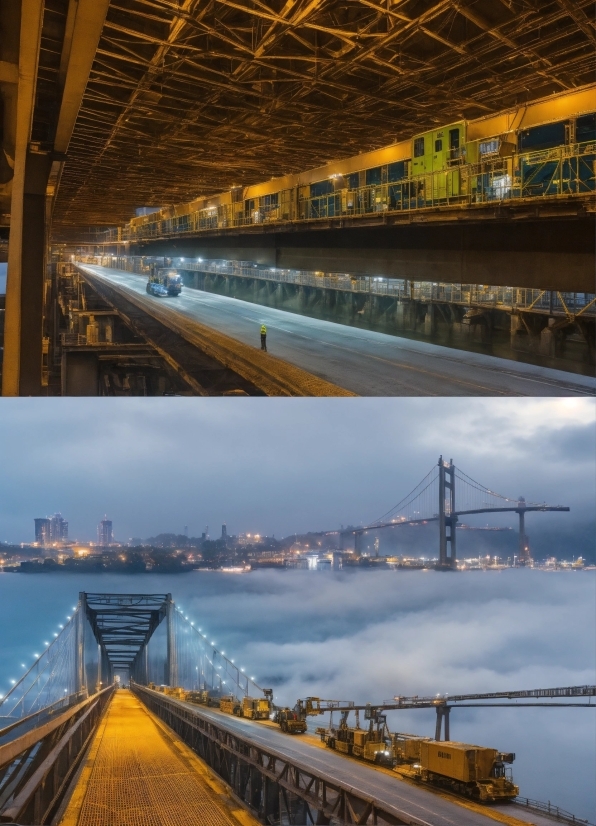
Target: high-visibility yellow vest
263,330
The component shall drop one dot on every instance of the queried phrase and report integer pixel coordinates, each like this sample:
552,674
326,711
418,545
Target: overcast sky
277,466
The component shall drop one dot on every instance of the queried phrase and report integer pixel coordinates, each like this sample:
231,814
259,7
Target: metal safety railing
554,303
37,767
554,811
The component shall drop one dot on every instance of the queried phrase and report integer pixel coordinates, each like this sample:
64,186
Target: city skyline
53,529
281,481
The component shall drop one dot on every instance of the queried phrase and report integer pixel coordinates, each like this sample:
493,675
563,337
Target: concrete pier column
25,282
400,316
548,340
430,323
516,327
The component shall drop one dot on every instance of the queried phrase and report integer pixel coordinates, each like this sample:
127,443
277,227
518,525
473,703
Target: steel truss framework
272,785
124,623
196,97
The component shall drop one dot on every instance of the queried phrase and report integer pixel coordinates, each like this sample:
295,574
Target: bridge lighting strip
58,636
221,654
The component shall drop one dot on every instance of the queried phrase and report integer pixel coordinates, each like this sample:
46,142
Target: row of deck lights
200,631
37,656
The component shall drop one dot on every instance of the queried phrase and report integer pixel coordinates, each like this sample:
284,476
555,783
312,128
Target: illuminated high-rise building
58,528
104,532
42,531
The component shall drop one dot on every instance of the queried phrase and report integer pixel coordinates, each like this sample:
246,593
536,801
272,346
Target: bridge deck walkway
138,773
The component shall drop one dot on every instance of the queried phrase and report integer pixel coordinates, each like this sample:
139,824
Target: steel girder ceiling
192,98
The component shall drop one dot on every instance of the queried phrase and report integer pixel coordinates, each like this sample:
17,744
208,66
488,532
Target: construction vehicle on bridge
253,708
257,708
230,705
473,771
370,744
290,721
204,697
293,720
164,279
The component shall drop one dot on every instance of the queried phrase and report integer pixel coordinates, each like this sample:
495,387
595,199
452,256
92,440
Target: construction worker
263,338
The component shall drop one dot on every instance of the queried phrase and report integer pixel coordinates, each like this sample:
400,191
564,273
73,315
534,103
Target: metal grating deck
138,773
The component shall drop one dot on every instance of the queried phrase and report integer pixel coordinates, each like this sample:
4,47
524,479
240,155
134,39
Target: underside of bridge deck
556,254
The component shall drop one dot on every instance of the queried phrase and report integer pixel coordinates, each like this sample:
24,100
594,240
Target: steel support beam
171,662
81,619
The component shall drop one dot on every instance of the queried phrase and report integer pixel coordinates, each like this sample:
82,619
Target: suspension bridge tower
524,556
447,515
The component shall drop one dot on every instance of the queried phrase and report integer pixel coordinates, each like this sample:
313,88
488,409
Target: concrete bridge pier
430,322
405,315
543,335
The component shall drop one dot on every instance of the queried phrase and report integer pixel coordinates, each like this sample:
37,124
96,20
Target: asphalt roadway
364,362
387,788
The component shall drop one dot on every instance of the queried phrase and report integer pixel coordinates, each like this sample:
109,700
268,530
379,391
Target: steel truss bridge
434,500
49,718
